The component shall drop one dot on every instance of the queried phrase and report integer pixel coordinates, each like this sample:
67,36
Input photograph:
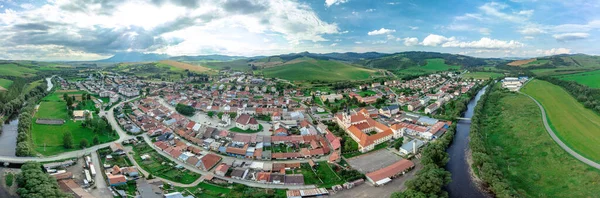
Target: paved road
74,154
244,182
558,141
100,182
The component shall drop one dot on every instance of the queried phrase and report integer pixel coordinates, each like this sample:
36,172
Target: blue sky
96,29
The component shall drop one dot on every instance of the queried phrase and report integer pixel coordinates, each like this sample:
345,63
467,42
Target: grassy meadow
482,75
318,70
590,79
575,125
15,70
5,83
533,164
432,66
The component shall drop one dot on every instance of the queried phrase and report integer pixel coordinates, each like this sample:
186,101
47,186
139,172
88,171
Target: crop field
521,62
318,70
184,66
514,138
590,79
575,125
433,65
482,75
15,70
5,84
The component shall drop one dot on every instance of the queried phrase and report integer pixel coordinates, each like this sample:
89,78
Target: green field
322,176
48,139
160,166
590,79
482,75
575,125
5,83
15,70
532,163
318,70
32,85
433,65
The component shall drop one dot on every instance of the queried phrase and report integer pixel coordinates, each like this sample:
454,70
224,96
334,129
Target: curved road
557,140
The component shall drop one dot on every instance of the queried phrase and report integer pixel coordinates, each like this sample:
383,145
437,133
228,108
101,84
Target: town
263,133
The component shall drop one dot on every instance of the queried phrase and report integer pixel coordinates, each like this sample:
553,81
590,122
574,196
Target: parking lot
373,161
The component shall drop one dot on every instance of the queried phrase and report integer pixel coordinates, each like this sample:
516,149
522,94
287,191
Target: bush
185,109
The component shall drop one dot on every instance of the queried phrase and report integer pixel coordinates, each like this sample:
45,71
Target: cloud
485,31
333,44
411,41
495,9
485,43
358,42
591,25
390,37
413,27
105,27
329,3
529,37
531,31
433,40
370,10
381,31
555,51
570,36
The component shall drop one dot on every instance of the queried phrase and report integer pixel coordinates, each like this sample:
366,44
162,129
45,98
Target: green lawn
5,83
532,163
160,166
235,129
15,70
575,125
48,139
318,70
482,75
367,93
323,176
590,79
32,85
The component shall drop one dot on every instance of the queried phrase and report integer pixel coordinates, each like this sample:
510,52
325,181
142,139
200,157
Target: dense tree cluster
24,147
33,182
488,171
185,109
589,97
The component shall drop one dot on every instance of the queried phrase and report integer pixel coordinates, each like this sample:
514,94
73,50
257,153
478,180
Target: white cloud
413,27
591,25
459,27
27,6
434,40
485,43
571,36
529,37
531,31
468,16
381,31
411,41
333,44
485,31
329,3
370,10
358,42
527,13
390,37
495,9
555,51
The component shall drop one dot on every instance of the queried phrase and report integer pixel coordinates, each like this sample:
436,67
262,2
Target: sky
51,30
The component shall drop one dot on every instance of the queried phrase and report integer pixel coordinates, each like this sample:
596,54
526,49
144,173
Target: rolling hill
305,68
184,66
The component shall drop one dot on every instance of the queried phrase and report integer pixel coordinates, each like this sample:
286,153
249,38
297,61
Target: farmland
183,66
160,166
575,125
590,79
15,70
432,66
318,70
521,62
514,135
482,75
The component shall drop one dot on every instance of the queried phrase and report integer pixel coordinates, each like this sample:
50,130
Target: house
79,115
116,180
117,148
130,171
238,173
385,175
389,110
246,122
222,169
263,177
411,147
331,97
431,108
208,161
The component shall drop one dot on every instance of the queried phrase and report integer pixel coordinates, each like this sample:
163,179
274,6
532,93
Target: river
49,82
462,184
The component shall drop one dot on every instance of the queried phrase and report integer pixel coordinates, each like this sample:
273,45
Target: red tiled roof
390,170
210,160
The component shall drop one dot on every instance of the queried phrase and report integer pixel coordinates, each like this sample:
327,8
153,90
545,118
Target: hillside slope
312,69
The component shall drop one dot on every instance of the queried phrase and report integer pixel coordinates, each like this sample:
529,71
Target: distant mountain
214,57
348,56
135,57
405,60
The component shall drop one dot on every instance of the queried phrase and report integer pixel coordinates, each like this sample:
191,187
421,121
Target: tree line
24,145
33,182
488,108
